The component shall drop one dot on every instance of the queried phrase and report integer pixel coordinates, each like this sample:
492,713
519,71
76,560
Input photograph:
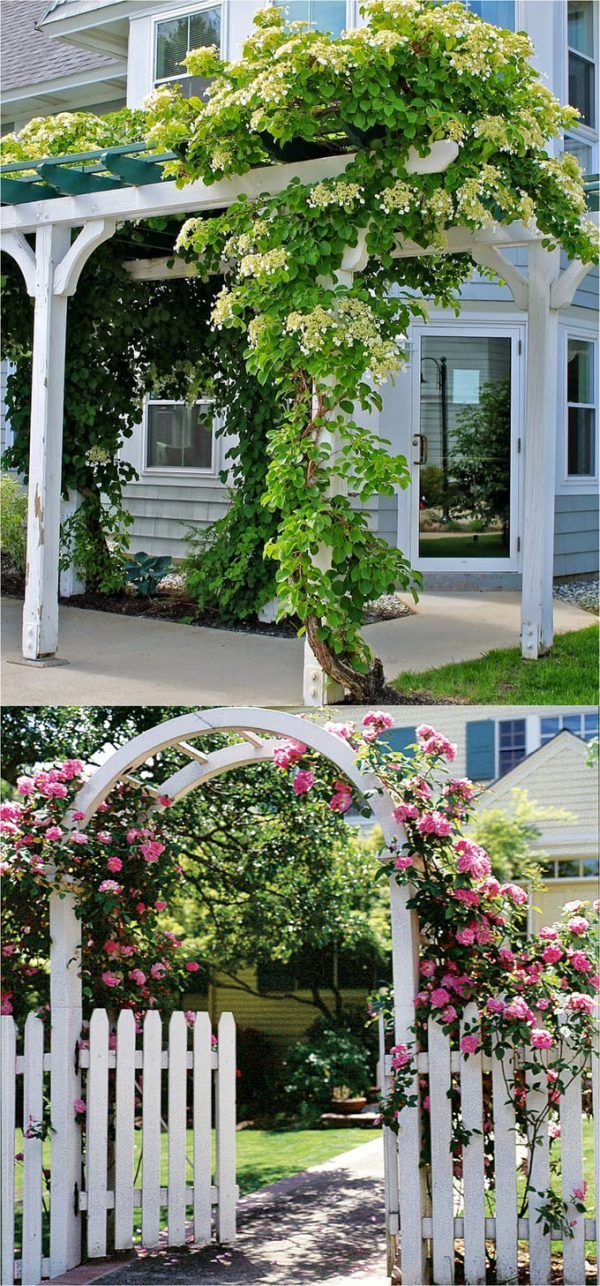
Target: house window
581,414
500,13
580,37
179,436
327,15
583,725
512,743
174,39
571,868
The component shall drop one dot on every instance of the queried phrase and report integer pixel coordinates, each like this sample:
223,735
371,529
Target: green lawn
462,545
568,675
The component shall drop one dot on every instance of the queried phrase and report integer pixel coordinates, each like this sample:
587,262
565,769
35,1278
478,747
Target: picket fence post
9,1063
442,1188
65,1083
151,1129
505,1168
124,1130
225,1130
471,1090
97,1134
202,1108
33,1111
539,1167
177,1094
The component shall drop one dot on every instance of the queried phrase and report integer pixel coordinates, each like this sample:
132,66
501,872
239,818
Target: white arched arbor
51,273
260,732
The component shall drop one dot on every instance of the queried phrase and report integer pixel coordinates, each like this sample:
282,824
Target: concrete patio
107,659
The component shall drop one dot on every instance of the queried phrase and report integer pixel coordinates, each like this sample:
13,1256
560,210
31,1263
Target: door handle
420,441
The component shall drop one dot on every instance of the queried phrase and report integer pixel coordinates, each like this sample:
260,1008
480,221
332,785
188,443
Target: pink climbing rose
303,781
109,886
541,1039
469,1044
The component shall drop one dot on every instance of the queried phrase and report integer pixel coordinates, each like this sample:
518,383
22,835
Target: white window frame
352,17
533,731
175,472
475,327
582,482
566,879
583,133
183,11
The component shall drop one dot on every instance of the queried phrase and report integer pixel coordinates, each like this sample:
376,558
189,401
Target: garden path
324,1225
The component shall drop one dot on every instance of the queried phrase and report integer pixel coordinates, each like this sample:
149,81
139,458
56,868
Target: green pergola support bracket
20,191
75,182
136,171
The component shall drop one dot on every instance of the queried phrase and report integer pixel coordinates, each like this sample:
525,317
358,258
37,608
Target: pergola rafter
52,270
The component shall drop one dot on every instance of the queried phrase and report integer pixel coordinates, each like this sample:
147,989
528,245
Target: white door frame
516,332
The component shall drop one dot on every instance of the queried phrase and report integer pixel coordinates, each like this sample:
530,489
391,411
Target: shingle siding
576,534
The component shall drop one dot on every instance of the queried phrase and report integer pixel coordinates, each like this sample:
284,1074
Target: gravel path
583,593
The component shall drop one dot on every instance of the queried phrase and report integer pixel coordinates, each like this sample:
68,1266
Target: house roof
29,57
556,775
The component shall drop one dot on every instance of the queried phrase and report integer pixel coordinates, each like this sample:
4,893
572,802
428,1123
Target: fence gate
150,1173
464,1210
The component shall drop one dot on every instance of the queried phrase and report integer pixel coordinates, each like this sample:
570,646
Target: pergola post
65,1082
40,613
540,454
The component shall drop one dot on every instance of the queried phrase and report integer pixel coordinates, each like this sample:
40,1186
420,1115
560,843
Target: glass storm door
463,453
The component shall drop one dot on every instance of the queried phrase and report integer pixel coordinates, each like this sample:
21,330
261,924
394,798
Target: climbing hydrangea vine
325,338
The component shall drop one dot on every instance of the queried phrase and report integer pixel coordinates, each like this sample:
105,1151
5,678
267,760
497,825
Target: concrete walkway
114,660
325,1225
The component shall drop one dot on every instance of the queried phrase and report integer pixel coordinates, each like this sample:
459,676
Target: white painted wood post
96,1149
505,1168
177,1099
151,1120
124,1130
571,1156
202,1098
33,1110
442,1183
69,583
40,611
225,1131
411,1184
471,1088
539,455
8,1038
65,1082
539,1171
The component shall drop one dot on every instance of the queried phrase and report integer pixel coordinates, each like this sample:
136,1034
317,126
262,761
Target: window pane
327,15
580,371
590,725
179,436
205,28
572,723
171,47
581,26
501,13
512,743
581,150
581,447
589,866
549,728
568,870
581,88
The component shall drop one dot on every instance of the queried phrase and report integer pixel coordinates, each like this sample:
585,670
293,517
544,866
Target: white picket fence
457,1212
119,1150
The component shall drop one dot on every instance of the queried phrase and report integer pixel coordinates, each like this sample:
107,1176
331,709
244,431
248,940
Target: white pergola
51,272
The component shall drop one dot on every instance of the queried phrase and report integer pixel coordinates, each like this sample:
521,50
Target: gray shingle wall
576,534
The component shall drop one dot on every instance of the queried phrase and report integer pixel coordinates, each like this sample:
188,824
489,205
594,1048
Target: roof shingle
29,57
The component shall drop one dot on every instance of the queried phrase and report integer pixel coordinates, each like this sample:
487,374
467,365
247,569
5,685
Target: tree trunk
361,688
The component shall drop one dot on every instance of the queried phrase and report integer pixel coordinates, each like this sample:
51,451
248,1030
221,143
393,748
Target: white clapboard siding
571,1153
151,1129
202,1104
177,1095
471,1089
539,1163
124,1130
8,1063
505,1168
225,1123
96,1152
33,1111
442,1197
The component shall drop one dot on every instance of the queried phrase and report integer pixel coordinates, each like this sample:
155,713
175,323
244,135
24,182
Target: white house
465,376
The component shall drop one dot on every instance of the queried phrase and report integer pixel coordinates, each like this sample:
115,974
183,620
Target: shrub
145,572
259,1067
328,1058
13,522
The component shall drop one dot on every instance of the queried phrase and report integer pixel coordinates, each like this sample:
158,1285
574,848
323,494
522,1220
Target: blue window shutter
481,749
399,738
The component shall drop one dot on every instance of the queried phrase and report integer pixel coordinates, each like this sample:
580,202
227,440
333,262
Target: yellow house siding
282,1019
552,900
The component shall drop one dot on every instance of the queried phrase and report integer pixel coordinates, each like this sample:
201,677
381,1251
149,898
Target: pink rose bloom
440,997
460,786
303,781
580,962
104,837
53,790
466,937
428,968
114,864
192,966
53,832
472,860
467,896
138,976
111,947
490,887
580,1003
543,1003
448,1014
152,850
516,894
495,1006
551,954
25,786
109,886
578,924
400,1056
469,1044
434,824
433,743
506,956
548,934
71,768
579,1193
341,801
158,970
342,730
10,812
288,753
518,1010
6,1006
376,719
541,1039
9,949
572,907
596,905
110,979
78,837
595,980
406,813
79,1107
165,801
190,1017
160,906
132,835
483,933
554,1130
403,863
